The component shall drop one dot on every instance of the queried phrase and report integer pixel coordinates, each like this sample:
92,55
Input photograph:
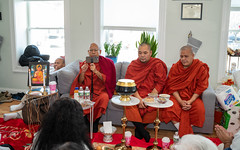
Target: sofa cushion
66,75
118,67
124,69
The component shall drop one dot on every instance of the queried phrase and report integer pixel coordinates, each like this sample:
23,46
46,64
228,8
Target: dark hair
63,122
68,146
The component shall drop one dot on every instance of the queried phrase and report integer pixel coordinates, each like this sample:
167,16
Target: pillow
236,76
66,75
118,70
124,69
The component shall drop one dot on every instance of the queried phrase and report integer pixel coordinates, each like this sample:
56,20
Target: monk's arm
193,98
99,74
141,104
81,77
178,98
94,70
83,69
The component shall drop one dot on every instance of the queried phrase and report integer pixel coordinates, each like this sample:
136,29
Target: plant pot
113,58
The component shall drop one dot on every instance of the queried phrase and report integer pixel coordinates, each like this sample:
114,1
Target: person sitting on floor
231,141
194,142
104,82
150,75
67,146
64,122
18,114
187,80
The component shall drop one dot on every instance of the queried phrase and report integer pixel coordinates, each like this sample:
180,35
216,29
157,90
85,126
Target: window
40,23
125,20
234,37
46,27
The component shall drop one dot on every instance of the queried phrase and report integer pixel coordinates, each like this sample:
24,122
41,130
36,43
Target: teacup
163,98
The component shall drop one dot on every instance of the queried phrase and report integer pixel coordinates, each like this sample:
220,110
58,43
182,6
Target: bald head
94,50
59,63
187,47
186,56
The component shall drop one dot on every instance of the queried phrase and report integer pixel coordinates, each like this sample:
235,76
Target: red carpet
98,137
16,133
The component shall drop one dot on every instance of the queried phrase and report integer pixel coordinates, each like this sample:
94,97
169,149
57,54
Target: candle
29,77
43,78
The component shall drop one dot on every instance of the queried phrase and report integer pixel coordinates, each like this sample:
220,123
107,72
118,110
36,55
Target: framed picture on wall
191,11
38,74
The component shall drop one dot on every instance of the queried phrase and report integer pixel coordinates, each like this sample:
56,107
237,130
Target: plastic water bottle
76,96
87,93
81,94
176,137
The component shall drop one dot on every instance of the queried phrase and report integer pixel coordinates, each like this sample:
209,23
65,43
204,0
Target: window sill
20,69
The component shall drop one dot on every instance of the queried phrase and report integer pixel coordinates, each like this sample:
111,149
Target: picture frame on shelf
38,74
191,11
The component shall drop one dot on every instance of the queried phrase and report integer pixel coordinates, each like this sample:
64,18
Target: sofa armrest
66,75
53,76
209,99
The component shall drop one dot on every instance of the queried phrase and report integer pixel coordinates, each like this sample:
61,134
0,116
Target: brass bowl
125,88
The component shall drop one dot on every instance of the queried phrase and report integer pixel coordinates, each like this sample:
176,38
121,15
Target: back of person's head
67,146
194,142
63,122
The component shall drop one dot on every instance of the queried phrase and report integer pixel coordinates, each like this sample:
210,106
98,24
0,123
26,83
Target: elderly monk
104,82
187,80
150,75
59,63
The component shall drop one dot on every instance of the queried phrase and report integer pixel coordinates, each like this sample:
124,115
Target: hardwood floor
4,108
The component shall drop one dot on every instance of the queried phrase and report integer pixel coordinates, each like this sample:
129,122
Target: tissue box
227,96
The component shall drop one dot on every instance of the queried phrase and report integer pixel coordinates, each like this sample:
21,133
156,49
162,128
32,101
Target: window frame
15,46
161,28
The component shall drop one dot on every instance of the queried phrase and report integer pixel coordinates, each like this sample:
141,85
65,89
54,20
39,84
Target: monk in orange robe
150,75
104,82
187,80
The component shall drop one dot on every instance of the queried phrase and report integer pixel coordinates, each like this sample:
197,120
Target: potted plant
112,50
146,38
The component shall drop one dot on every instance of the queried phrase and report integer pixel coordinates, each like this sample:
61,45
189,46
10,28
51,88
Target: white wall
206,30
80,30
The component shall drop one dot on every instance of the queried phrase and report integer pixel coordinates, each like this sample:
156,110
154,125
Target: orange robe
147,76
101,95
186,81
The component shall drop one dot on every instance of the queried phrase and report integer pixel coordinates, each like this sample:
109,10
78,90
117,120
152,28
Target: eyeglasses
95,50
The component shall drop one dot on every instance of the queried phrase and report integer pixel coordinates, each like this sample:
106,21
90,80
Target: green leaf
146,38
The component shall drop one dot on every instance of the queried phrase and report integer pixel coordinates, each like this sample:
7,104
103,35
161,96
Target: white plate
87,104
116,100
156,104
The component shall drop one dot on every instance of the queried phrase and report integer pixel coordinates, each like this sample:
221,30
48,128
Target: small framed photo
191,11
38,74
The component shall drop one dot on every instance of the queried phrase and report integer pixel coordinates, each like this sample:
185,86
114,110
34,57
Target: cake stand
133,101
157,105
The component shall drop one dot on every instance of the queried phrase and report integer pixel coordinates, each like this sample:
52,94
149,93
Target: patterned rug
16,133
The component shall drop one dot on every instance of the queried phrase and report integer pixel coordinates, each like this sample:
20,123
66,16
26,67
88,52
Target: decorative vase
113,58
